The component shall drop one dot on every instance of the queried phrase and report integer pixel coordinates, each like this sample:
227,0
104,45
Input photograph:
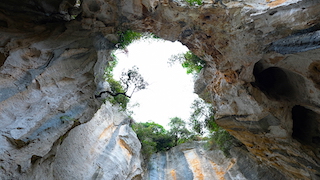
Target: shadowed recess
2,59
275,83
306,126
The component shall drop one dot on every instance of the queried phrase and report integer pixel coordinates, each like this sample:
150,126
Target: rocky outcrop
197,160
262,73
103,148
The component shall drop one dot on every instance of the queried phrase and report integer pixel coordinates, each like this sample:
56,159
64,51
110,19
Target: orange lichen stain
124,146
276,2
219,171
230,76
173,174
105,132
195,163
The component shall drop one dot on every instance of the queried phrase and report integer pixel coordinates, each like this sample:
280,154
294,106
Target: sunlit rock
262,77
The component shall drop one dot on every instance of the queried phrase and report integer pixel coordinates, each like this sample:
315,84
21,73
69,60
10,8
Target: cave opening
274,82
170,90
306,126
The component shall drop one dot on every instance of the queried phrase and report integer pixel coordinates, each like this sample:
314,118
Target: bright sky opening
170,91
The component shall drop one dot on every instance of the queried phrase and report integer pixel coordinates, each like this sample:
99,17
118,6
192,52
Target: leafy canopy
154,138
202,121
179,131
190,61
127,37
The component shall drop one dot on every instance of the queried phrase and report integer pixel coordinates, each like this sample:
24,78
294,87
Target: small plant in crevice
190,61
194,2
129,36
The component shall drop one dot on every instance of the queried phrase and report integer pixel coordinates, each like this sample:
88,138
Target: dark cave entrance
274,82
280,84
306,126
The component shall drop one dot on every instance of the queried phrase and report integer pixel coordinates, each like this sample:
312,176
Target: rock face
196,161
262,75
103,148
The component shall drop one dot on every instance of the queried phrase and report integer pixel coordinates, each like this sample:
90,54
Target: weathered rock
197,161
262,72
103,148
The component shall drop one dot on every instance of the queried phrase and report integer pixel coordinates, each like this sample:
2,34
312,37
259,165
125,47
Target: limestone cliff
197,161
262,76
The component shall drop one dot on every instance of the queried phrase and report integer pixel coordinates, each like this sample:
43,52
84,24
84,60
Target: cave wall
262,72
199,160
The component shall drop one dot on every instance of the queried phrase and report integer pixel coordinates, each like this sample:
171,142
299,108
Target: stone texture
104,148
196,161
262,72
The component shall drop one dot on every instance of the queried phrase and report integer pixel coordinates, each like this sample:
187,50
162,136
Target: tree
178,131
153,137
202,117
131,81
190,61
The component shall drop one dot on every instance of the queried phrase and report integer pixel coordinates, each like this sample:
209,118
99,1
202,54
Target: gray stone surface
195,160
103,148
262,75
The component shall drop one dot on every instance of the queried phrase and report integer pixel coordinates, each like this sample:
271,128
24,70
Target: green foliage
202,120
115,85
222,139
178,131
190,61
132,78
108,72
120,99
201,116
127,37
153,137
194,2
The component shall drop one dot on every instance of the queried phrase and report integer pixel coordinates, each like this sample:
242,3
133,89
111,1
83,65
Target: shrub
127,37
202,119
194,2
119,89
120,99
190,61
153,137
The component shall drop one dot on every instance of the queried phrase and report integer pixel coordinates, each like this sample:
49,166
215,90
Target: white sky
170,90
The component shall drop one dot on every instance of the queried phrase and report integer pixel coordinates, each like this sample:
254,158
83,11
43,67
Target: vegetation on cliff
202,122
194,2
121,91
131,81
155,138
190,61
